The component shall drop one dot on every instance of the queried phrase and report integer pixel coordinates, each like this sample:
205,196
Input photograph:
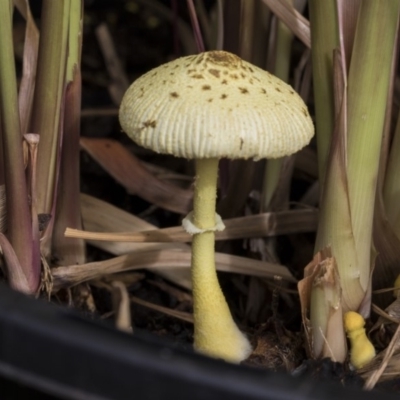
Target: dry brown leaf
124,167
299,25
15,273
184,316
326,313
304,287
387,321
259,225
162,258
326,338
180,295
391,371
387,355
99,215
167,174
390,315
122,306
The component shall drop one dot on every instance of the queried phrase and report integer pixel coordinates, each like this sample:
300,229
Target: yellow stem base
215,332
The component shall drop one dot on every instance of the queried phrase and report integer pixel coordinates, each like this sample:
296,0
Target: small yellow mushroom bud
362,350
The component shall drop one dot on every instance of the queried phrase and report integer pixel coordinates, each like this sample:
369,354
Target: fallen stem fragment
260,225
162,258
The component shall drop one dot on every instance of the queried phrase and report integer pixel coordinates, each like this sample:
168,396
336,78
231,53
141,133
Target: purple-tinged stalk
67,251
196,27
47,105
32,142
238,172
19,229
273,168
27,85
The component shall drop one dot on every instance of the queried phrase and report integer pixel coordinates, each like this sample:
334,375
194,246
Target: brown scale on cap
215,72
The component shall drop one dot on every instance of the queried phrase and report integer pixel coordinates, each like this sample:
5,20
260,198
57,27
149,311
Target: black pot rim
56,350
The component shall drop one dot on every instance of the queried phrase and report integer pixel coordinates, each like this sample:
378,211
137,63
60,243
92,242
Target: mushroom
362,350
206,107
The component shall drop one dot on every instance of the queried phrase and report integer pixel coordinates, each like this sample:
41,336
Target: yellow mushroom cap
215,104
353,321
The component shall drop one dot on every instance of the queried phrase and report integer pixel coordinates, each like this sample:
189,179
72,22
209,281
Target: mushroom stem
215,332
205,193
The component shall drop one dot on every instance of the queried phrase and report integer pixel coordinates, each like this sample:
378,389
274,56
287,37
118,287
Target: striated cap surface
215,104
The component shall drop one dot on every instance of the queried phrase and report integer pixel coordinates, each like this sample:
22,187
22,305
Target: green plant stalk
260,33
324,39
391,187
334,225
246,33
70,251
48,94
283,52
282,64
326,314
241,171
272,174
368,83
74,39
19,219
